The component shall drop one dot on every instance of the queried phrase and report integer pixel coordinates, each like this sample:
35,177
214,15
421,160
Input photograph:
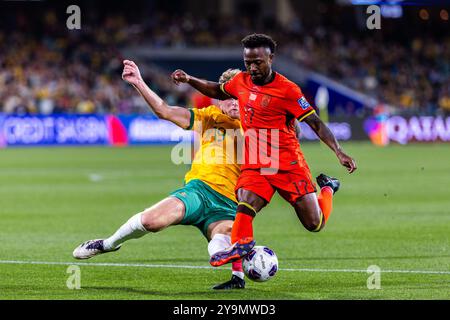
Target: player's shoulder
213,115
205,115
212,109
240,77
207,111
289,87
230,86
287,84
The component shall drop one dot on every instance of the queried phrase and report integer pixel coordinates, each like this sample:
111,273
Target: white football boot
90,248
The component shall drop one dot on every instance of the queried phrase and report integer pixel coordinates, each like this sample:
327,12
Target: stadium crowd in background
55,71
415,76
77,74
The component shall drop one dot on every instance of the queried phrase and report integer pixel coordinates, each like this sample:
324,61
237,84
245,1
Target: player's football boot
91,248
238,250
234,283
325,181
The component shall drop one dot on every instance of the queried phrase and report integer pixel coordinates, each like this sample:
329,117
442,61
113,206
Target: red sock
237,266
326,201
242,227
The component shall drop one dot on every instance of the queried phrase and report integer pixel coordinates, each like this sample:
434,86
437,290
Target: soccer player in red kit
269,103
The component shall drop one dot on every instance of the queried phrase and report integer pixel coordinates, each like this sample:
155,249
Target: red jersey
268,114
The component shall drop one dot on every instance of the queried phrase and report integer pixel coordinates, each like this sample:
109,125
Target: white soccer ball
261,264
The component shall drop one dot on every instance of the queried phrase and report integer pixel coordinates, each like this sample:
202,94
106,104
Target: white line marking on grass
106,264
365,271
143,265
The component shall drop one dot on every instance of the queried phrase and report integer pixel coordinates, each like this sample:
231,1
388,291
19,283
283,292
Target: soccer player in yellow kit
207,199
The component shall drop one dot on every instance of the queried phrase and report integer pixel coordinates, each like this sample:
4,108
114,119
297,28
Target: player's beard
258,80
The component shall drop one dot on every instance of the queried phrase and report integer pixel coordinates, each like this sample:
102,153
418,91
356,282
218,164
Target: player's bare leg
309,213
242,231
314,211
167,212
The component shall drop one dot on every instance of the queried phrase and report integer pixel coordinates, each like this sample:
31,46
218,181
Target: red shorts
291,185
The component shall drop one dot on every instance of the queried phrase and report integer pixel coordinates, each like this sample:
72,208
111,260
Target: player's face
230,107
258,62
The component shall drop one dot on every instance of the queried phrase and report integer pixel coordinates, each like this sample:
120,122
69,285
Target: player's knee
314,224
312,227
151,223
251,200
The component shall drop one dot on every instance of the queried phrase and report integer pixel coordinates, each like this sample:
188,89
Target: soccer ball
260,264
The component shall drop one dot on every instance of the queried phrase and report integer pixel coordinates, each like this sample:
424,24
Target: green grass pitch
394,212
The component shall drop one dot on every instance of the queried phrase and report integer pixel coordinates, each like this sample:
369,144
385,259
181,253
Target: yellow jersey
215,161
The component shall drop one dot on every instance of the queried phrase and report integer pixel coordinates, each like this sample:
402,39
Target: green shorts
204,205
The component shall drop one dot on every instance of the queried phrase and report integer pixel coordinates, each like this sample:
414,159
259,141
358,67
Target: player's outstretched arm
178,115
325,134
208,88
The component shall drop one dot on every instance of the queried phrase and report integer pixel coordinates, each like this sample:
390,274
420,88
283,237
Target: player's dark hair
257,40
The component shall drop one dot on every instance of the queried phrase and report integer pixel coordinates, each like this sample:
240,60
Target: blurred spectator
55,71
408,76
444,99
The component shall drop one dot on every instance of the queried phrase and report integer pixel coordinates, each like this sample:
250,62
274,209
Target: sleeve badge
303,103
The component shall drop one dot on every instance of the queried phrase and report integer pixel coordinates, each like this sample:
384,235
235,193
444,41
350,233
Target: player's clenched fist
180,76
131,72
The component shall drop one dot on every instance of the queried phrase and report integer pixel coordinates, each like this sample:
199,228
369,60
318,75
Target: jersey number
248,114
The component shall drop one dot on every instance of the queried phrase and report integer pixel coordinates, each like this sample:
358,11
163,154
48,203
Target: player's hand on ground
347,161
179,76
131,73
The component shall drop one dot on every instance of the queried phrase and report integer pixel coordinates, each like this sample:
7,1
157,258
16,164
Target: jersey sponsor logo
252,97
303,103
